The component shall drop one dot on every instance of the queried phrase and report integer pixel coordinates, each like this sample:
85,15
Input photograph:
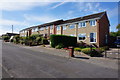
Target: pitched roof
97,15
51,23
92,16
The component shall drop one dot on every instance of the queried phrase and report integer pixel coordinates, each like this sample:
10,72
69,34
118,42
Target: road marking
6,71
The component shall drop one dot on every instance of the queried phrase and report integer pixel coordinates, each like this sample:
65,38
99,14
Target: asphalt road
19,62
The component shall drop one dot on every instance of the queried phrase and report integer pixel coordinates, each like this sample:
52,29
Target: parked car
117,42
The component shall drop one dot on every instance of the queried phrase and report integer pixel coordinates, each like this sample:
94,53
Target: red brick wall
103,29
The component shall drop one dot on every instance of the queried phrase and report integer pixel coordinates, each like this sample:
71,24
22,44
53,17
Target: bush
63,39
105,48
16,39
44,41
59,46
11,40
38,40
77,49
94,52
86,50
6,38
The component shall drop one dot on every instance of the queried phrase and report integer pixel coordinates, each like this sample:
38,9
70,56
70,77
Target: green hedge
6,38
63,39
94,53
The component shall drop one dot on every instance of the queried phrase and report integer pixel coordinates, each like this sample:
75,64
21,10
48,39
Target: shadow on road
81,57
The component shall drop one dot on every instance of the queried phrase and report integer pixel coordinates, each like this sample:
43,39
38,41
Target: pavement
101,61
40,62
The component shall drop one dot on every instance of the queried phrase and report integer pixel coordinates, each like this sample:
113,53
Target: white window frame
51,27
36,29
58,28
72,25
85,36
47,27
41,29
79,24
95,38
72,35
64,27
91,21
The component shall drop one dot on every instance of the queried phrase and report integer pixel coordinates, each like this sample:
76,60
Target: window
51,27
92,37
58,27
41,28
46,27
33,30
82,24
82,36
25,31
36,29
92,22
64,27
72,26
72,35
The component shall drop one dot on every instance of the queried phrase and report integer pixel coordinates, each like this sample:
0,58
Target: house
91,29
10,34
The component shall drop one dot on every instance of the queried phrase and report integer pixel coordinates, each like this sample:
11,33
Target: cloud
5,25
57,5
16,6
90,7
113,12
39,19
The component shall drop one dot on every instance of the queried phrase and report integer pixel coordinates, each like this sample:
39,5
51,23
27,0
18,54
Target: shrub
63,39
6,38
38,40
16,39
44,41
11,40
105,48
22,40
77,49
86,50
59,46
93,52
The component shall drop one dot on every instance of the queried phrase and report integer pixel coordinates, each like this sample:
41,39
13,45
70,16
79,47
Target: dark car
117,42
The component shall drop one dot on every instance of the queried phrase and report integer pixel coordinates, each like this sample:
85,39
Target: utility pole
12,28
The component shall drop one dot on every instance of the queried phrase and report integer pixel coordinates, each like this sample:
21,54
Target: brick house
90,29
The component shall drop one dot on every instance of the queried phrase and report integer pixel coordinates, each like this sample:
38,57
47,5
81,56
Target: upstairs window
58,27
41,28
46,27
93,22
64,27
82,24
36,29
72,26
82,36
51,27
33,30
72,35
25,31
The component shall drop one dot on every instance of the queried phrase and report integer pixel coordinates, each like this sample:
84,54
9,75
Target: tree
118,26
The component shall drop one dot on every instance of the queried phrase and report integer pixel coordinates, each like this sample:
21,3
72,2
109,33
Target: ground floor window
82,36
72,35
92,37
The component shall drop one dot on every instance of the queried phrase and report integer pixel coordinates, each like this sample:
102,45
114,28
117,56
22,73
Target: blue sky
26,14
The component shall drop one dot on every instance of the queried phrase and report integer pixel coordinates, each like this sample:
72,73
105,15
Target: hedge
63,39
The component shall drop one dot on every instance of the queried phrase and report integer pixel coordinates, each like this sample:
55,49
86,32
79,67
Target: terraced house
90,29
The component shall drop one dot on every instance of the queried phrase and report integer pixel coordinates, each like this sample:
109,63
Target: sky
26,14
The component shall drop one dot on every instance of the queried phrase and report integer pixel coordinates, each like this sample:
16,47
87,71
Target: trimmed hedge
63,39
94,53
